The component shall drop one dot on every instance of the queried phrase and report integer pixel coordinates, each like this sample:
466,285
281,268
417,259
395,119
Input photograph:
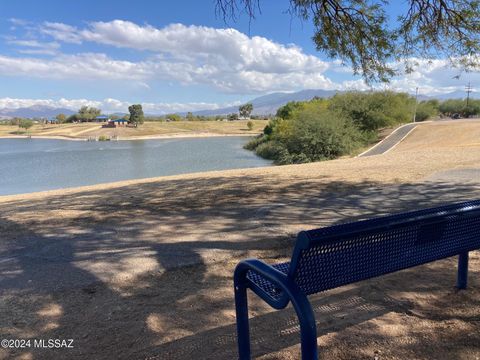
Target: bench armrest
271,274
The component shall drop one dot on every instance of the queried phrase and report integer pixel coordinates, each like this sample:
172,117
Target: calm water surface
28,165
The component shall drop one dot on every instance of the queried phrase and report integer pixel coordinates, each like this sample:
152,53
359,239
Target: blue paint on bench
330,257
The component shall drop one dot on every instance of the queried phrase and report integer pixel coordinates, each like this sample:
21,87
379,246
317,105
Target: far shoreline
132,138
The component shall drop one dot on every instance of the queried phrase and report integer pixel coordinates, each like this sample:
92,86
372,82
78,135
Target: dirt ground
143,269
147,130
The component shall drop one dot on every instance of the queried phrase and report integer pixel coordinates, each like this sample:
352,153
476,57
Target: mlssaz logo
53,343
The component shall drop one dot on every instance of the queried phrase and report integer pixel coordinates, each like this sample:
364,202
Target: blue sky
169,56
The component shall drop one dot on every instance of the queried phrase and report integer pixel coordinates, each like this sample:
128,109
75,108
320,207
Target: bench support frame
291,293
462,275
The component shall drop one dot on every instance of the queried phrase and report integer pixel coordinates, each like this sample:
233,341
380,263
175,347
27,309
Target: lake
29,165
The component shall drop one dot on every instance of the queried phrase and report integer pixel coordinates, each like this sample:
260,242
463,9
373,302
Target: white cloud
108,105
83,66
223,58
12,103
61,32
35,47
434,77
227,46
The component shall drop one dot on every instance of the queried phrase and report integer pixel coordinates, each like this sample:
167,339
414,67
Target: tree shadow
145,270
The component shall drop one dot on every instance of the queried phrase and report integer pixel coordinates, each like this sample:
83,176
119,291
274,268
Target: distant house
102,118
51,120
114,123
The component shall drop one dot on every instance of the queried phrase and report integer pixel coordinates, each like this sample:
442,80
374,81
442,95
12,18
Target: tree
232,116
15,121
136,114
459,106
173,117
245,110
87,113
25,124
286,111
72,118
360,33
189,116
61,118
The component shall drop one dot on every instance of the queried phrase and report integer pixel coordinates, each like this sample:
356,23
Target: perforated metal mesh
348,253
266,285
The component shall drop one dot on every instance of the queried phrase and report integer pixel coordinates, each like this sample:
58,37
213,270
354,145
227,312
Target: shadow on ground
145,272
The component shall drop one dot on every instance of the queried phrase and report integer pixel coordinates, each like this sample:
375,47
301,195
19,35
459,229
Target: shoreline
141,137
122,183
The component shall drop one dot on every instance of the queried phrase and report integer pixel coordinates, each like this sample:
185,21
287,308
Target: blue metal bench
343,254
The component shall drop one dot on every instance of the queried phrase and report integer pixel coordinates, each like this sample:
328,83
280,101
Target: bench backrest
343,254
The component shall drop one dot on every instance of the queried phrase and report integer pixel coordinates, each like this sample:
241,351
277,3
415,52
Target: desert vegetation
322,129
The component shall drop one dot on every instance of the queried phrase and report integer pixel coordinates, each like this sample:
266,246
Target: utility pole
416,103
468,89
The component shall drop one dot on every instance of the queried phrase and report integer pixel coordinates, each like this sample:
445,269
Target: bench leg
462,270
243,332
308,327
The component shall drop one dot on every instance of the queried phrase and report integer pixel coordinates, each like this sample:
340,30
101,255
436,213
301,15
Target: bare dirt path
142,269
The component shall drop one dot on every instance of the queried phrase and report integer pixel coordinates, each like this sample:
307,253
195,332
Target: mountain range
268,104
263,105
35,111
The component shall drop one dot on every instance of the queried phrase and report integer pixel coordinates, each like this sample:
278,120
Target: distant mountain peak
268,104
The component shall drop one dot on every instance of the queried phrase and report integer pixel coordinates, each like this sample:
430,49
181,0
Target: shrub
286,111
255,142
25,124
372,111
268,129
103,138
270,150
312,134
320,135
426,110
233,116
458,106
173,117
250,125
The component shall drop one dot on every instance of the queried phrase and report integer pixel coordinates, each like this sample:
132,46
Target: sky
172,56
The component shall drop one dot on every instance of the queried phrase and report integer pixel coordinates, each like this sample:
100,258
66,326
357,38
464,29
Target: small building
102,118
114,123
50,120
121,122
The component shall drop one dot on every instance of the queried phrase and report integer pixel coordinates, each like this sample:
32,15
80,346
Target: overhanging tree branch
360,33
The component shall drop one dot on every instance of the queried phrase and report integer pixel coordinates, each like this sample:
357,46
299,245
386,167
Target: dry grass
149,129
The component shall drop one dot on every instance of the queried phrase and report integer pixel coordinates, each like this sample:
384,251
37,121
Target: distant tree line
90,113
